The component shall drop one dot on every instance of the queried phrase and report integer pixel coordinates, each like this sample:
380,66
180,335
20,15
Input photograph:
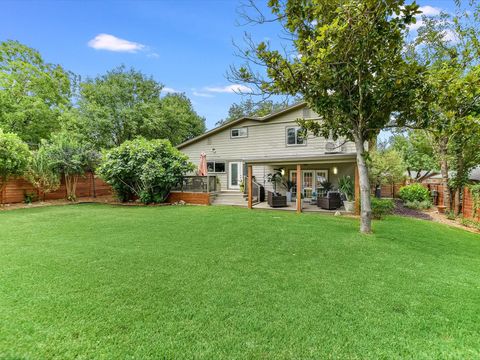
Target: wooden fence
87,186
391,191
467,206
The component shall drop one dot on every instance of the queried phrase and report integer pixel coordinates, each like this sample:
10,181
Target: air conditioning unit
338,146
330,146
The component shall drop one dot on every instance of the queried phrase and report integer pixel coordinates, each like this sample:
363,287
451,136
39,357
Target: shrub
70,156
144,169
382,207
14,157
471,223
29,197
419,205
450,215
414,192
41,173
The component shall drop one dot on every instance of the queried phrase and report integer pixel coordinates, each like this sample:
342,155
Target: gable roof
222,127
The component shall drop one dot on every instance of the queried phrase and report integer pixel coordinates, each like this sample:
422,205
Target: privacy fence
192,190
391,191
88,186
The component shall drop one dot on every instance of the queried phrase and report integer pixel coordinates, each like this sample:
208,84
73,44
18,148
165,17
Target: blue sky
185,44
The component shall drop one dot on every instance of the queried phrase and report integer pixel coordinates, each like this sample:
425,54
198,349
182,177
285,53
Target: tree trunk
365,203
442,149
459,183
456,202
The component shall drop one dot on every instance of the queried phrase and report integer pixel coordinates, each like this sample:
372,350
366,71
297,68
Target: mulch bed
401,210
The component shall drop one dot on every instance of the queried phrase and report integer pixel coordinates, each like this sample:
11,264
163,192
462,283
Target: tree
417,152
345,60
124,104
449,103
33,93
41,172
249,108
70,157
144,169
386,167
180,122
464,156
14,157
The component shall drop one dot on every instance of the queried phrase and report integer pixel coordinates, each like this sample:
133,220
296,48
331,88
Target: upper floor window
239,132
295,136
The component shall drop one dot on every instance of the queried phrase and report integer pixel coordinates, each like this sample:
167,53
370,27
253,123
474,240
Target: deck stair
229,198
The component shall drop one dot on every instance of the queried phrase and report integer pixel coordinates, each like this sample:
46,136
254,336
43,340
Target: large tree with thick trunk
344,57
449,103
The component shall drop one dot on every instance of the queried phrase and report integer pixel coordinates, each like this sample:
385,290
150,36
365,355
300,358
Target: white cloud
426,10
112,43
449,35
153,55
202,94
169,90
416,26
229,89
430,10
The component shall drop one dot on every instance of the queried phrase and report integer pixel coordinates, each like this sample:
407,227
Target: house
435,177
272,142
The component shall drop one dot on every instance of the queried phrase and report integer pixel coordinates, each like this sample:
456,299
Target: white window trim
296,136
214,163
239,136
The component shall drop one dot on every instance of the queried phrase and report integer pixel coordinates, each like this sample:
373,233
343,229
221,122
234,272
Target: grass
104,282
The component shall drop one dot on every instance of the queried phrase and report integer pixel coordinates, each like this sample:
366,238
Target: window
215,166
239,133
295,136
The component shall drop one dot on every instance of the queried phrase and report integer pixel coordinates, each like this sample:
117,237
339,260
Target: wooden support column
357,191
250,187
299,189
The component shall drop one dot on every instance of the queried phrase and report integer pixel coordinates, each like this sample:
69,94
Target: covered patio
307,174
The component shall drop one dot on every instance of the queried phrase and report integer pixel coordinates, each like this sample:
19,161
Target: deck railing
197,184
256,190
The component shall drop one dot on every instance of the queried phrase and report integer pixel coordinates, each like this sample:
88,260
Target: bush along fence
19,190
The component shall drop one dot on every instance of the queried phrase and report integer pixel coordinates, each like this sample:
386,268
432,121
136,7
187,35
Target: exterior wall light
335,170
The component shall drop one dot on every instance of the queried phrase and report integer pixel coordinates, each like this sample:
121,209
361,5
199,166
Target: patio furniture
332,201
275,200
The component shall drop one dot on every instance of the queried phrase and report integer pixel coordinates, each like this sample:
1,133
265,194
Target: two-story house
272,142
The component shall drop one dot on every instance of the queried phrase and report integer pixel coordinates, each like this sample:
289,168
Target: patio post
299,188
357,191
250,187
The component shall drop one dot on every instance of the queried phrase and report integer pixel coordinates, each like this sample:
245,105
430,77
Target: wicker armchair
276,200
332,201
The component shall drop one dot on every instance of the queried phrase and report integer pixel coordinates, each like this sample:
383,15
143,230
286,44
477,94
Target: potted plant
346,186
288,185
275,178
326,186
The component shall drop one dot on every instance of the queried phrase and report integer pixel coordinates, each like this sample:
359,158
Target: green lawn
96,281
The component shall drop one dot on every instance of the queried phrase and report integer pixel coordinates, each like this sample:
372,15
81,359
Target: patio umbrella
202,166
